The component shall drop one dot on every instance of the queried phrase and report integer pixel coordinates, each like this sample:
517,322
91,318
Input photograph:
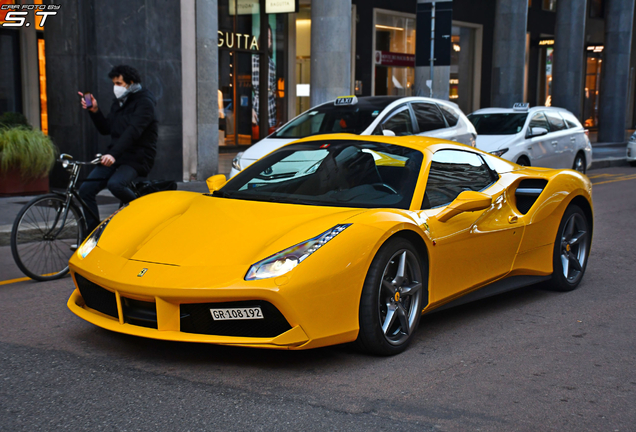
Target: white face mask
119,91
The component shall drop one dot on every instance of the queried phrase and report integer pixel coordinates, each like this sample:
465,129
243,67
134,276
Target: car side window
453,172
555,121
538,120
570,120
428,117
399,123
450,115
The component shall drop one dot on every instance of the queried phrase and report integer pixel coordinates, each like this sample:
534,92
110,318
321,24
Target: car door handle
512,219
555,143
572,139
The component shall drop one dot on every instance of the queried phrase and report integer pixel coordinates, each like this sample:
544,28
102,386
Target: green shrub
13,119
27,150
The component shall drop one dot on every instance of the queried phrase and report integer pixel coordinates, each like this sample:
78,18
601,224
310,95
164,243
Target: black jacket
133,130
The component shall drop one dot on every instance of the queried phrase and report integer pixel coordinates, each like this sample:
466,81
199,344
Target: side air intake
527,193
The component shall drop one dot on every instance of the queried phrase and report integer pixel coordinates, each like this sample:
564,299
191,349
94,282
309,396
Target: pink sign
387,58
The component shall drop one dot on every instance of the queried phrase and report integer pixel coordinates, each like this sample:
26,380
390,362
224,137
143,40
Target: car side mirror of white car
538,131
388,132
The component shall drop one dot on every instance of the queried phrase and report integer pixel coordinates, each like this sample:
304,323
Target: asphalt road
524,361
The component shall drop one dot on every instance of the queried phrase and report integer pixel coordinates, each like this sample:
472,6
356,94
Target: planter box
12,184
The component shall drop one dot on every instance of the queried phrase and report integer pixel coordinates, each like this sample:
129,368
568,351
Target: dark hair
128,73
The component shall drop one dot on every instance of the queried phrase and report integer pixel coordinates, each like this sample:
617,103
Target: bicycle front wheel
42,240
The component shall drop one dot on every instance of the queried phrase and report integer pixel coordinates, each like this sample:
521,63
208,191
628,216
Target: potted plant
26,157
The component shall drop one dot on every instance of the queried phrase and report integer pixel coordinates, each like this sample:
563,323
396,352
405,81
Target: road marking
10,281
624,178
604,175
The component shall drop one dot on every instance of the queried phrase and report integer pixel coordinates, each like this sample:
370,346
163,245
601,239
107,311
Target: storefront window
303,59
592,86
241,49
462,67
394,54
549,5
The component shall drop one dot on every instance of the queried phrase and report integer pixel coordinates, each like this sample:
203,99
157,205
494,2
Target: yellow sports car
333,239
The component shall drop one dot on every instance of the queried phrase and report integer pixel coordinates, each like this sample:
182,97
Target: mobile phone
88,100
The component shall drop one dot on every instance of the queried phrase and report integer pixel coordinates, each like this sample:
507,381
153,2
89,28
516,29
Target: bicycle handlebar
67,160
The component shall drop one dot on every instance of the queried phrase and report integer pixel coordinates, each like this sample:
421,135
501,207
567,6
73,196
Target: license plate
237,313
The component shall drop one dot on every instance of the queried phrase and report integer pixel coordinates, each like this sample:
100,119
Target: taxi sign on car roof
520,106
346,100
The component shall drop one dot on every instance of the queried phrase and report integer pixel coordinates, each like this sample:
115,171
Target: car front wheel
391,301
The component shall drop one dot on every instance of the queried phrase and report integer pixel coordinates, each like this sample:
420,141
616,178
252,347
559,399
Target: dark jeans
116,179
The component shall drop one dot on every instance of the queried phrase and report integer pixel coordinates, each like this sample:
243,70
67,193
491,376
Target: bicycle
49,228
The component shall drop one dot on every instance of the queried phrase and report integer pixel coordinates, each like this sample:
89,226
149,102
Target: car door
430,121
461,131
576,136
399,121
542,147
471,248
559,140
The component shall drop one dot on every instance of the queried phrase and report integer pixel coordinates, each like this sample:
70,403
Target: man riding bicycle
132,125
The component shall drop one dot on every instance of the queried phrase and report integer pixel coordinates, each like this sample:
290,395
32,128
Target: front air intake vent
527,193
96,297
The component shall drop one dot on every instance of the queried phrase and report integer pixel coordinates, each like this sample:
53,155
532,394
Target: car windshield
328,118
498,124
338,173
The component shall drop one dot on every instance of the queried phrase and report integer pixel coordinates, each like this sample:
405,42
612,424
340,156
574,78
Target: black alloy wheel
571,250
392,298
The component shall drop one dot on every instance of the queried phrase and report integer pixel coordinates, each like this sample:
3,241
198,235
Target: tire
391,304
523,161
571,250
38,255
579,163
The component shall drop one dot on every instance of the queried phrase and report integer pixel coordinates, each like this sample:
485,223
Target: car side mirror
538,131
216,182
388,132
466,201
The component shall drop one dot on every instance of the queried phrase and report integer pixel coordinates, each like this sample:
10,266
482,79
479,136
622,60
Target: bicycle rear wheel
40,245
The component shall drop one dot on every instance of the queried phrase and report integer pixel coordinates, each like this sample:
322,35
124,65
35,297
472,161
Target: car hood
190,229
495,142
263,147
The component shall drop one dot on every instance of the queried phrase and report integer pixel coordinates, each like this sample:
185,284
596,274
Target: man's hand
92,109
254,117
107,160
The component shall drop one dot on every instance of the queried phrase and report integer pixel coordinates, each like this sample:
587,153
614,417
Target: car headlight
236,162
286,260
499,153
90,243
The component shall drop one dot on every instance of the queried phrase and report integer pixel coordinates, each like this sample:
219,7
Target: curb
608,163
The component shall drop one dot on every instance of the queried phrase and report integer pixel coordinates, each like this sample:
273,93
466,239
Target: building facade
228,72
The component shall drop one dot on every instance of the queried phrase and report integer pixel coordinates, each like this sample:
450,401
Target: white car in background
540,136
631,150
372,115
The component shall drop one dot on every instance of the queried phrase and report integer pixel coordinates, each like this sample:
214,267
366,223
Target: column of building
569,60
508,65
330,50
615,85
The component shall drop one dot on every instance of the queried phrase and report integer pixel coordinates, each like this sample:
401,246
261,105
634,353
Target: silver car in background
372,115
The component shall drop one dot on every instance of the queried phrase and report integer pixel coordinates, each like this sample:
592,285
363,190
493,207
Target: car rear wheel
579,163
391,301
571,250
